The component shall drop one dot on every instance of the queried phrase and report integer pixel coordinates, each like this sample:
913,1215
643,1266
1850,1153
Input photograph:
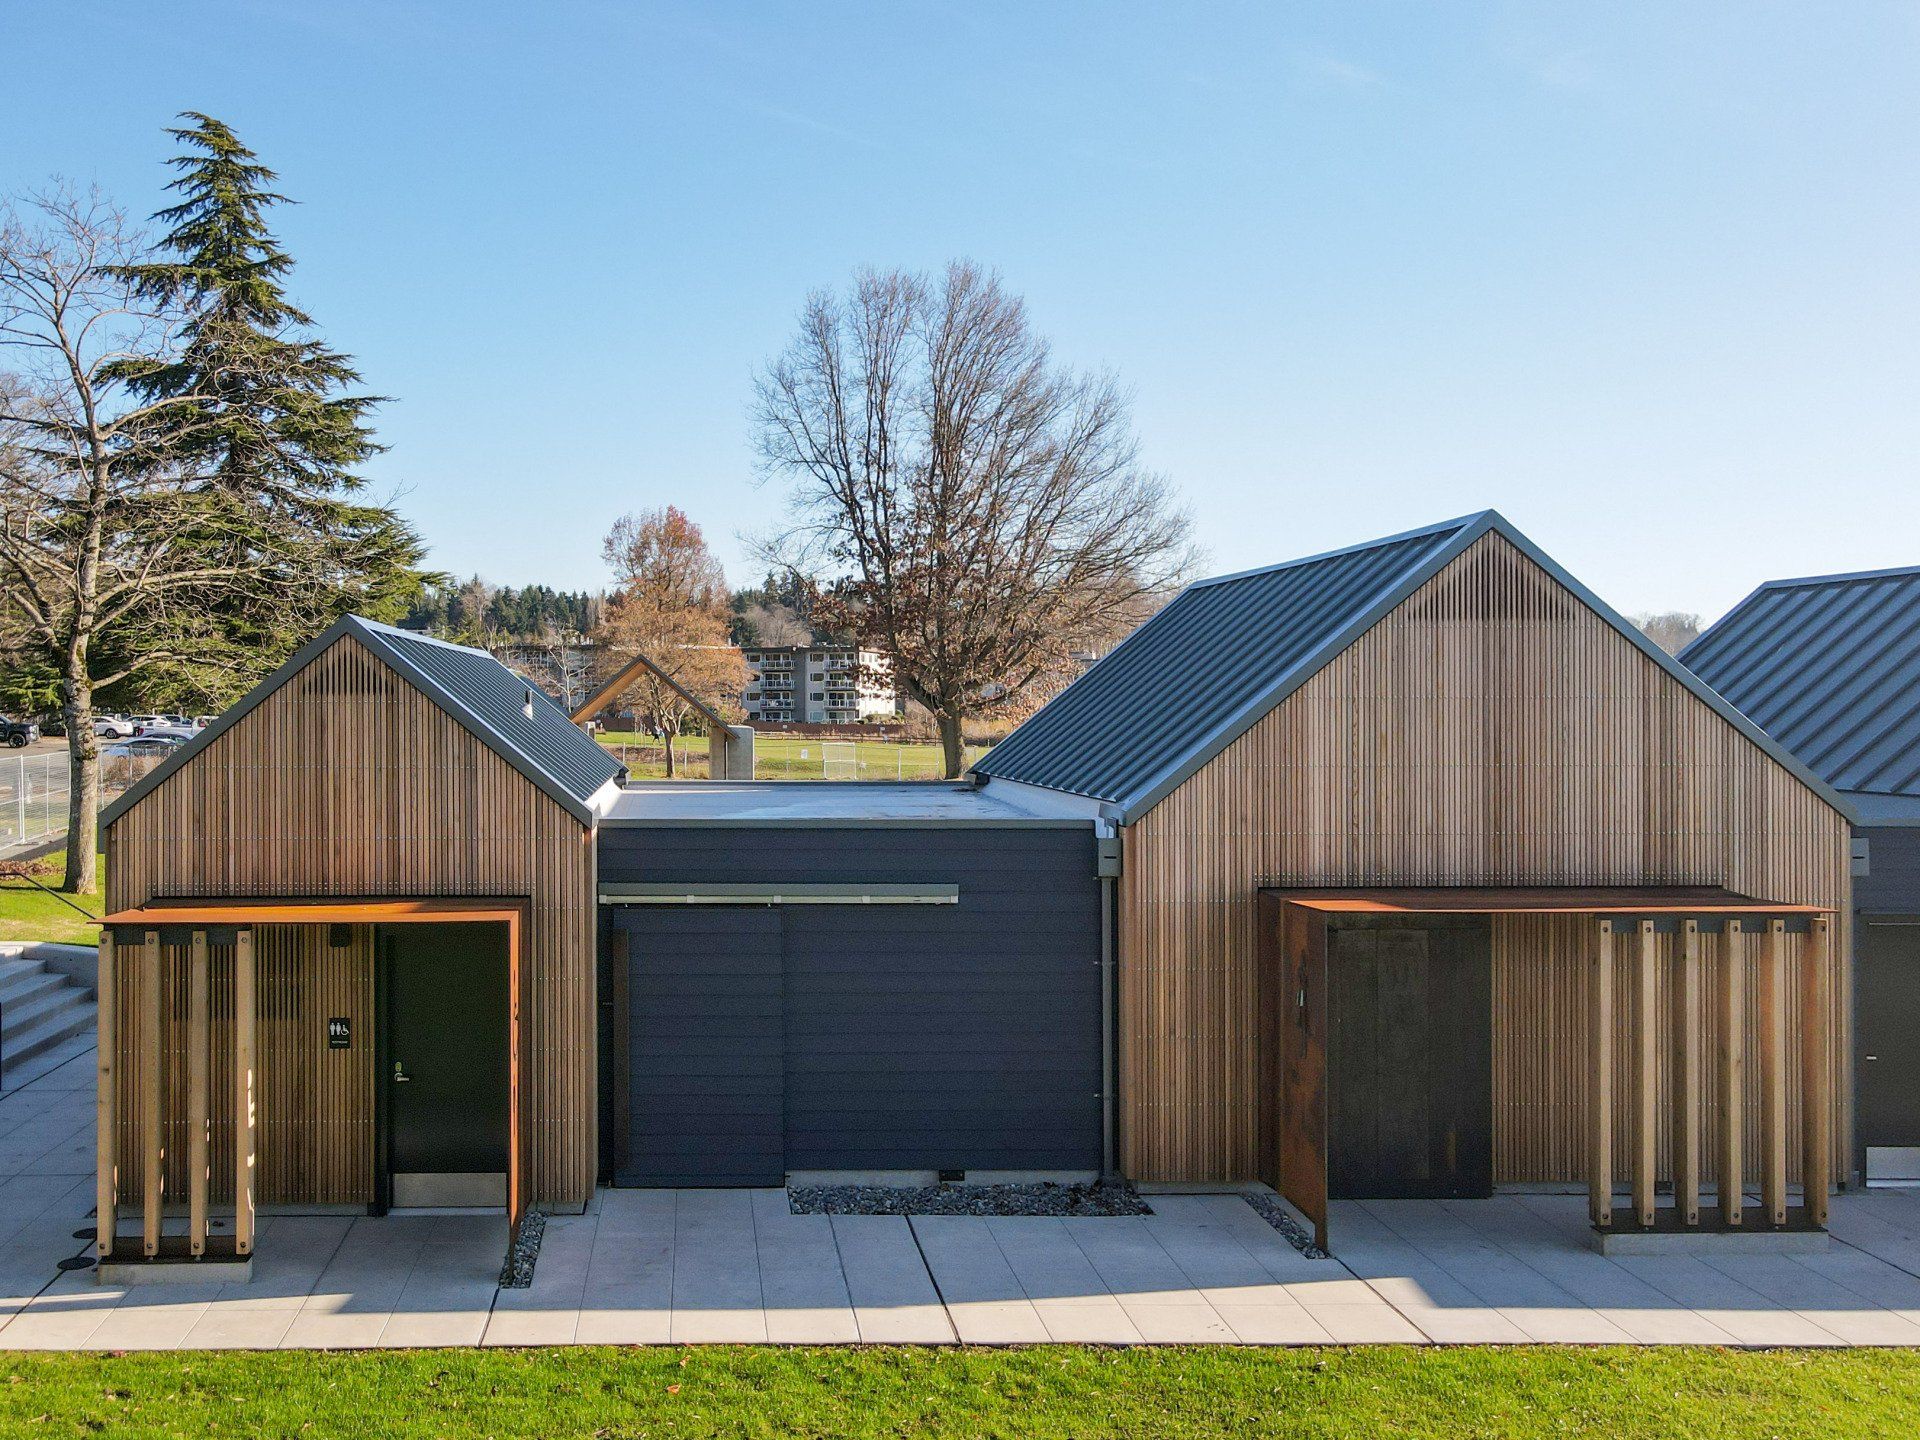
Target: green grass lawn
29,913
795,757
1076,1392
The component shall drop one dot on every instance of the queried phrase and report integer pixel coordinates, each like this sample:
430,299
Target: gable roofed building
1436,760
1829,666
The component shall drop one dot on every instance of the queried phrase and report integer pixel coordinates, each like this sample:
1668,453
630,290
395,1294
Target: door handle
400,1075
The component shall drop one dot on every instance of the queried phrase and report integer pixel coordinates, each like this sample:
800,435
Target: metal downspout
1108,834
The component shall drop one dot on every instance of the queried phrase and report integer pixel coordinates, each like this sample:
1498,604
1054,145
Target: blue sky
1644,276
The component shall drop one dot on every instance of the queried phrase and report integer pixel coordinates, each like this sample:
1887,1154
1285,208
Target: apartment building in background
816,684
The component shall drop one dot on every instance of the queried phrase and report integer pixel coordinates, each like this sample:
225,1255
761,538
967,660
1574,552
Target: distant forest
477,613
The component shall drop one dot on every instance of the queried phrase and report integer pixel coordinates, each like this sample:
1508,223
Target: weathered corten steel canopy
1295,935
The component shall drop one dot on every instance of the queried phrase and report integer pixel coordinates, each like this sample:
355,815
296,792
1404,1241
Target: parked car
144,723
113,727
144,747
181,733
200,722
51,722
18,733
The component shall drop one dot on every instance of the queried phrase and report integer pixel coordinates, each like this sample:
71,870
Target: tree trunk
666,737
953,747
83,788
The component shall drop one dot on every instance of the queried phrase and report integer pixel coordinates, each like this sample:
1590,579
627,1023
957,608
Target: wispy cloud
800,120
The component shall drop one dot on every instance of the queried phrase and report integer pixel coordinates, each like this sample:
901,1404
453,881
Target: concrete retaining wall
79,963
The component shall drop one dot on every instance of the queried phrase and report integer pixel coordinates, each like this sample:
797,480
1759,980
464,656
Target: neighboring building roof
1829,665
817,803
488,700
1198,675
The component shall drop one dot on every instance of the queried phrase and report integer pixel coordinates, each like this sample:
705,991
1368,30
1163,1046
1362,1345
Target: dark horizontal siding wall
954,1037
1891,885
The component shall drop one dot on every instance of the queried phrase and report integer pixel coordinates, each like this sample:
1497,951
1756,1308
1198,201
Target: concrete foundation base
1202,1187
174,1272
1711,1242
898,1179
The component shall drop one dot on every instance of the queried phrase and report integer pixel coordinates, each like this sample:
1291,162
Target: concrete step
15,1019
39,1009
20,988
49,1032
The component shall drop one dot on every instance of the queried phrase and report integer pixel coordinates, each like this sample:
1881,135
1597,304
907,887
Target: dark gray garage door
854,1037
705,1035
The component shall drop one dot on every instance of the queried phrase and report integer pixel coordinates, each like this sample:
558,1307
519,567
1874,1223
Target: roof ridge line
1439,527
1843,577
476,723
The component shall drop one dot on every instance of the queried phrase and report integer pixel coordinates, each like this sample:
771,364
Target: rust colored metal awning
1536,900
314,912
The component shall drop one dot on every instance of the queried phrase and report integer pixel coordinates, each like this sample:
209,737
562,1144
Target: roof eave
529,769
1673,666
1137,803
228,718
373,637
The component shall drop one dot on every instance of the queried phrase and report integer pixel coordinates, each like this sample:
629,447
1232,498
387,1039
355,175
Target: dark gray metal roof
476,690
1829,666
1196,676
1224,647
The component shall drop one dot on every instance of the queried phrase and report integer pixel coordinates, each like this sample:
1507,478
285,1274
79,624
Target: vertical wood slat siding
347,783
315,1105
1541,1049
1491,730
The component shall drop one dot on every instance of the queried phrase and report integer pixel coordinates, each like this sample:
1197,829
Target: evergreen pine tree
280,429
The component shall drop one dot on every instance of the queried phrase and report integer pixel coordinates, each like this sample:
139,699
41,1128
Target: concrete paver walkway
664,1266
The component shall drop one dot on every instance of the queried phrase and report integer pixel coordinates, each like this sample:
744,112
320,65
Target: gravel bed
1269,1209
1041,1199
517,1273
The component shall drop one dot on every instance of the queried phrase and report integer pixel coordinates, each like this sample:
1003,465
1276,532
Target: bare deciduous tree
974,509
1671,630
671,606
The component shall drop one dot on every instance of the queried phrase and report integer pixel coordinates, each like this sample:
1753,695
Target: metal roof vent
526,703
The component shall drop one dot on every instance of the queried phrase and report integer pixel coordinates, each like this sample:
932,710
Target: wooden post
1816,1095
1644,1078
1686,1077
244,1118
197,1018
152,1155
1773,1075
1733,1076
106,1110
1600,1059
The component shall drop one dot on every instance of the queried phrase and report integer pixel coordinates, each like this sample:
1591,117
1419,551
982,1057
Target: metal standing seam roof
1126,734
486,698
1829,665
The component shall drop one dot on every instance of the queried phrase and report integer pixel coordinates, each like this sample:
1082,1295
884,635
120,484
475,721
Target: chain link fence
33,794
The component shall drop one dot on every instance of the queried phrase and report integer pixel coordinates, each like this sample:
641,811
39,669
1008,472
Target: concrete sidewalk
665,1266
